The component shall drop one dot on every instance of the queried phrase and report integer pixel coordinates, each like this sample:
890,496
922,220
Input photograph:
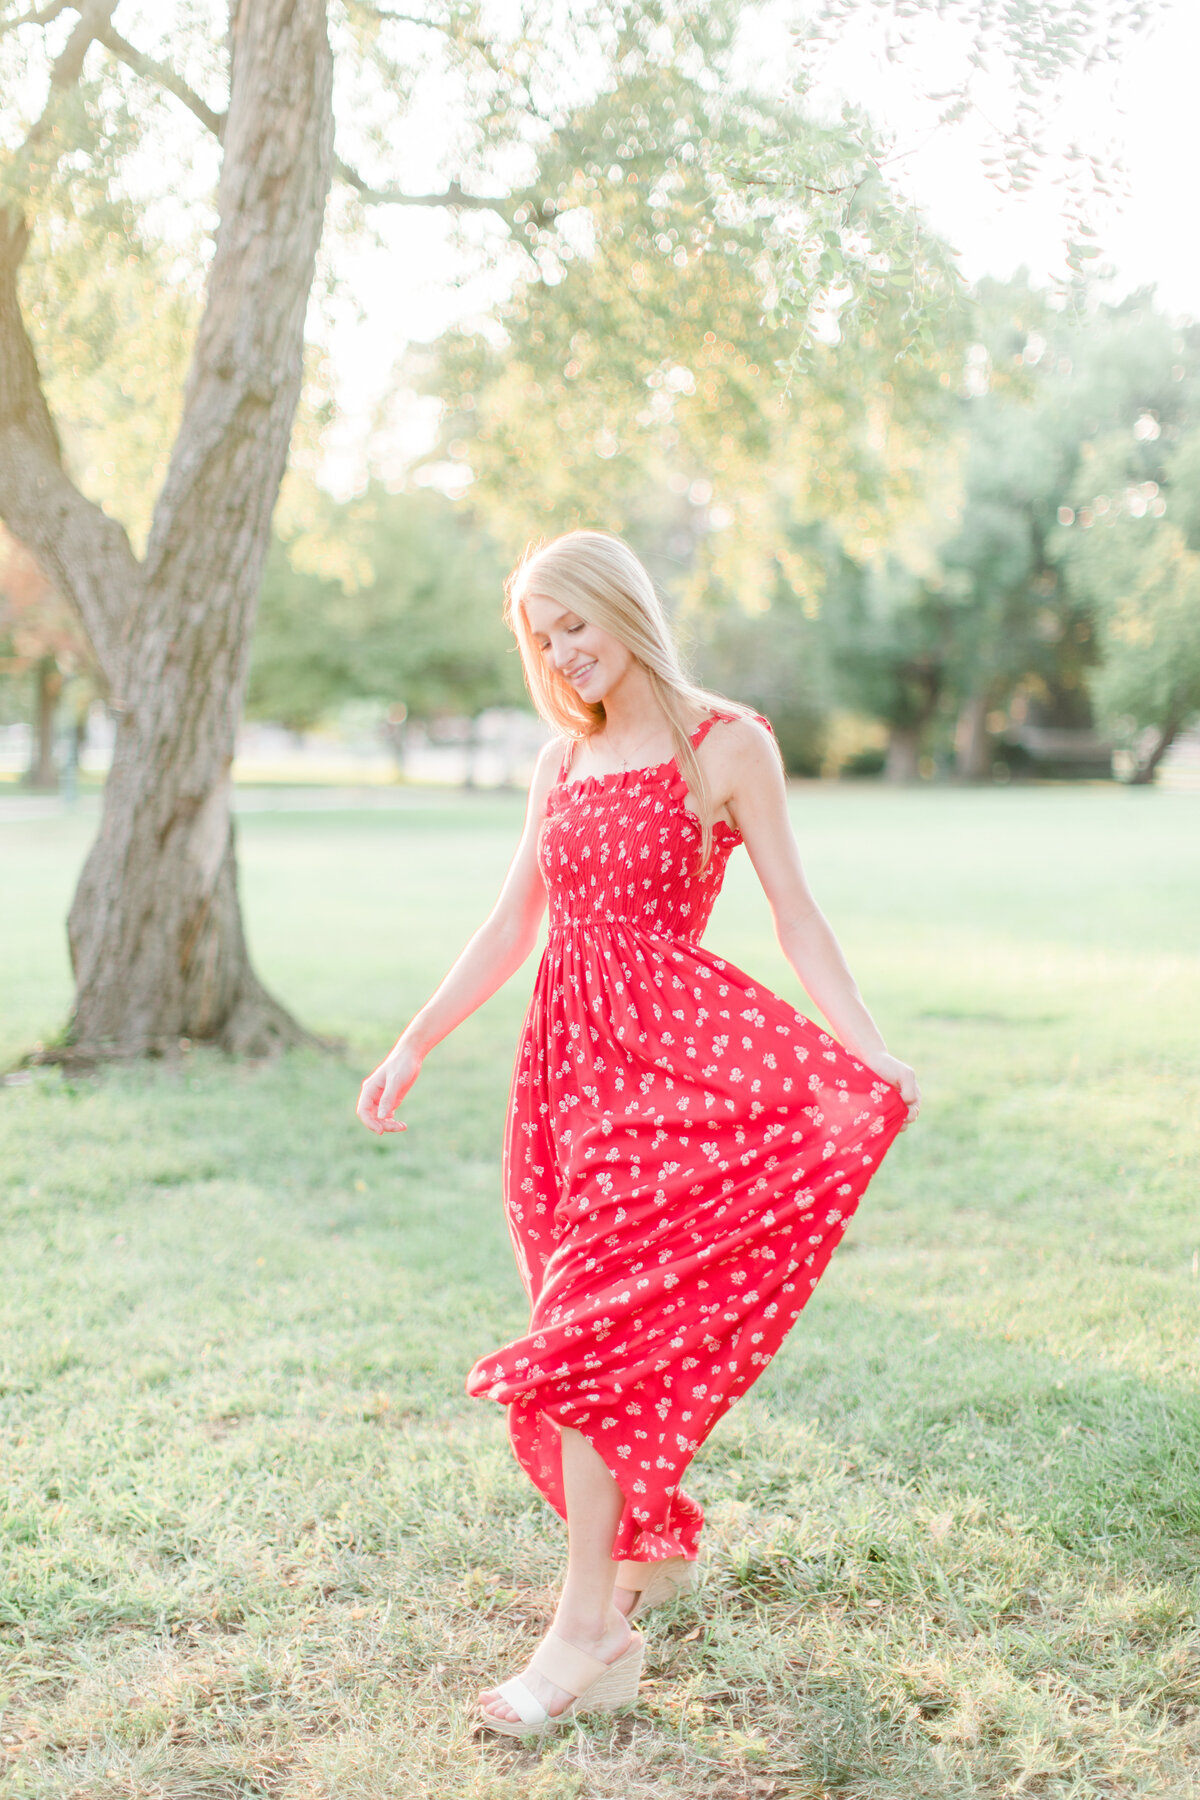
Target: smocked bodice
625,848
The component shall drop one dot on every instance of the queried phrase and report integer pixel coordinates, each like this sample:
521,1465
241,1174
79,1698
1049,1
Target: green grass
258,1542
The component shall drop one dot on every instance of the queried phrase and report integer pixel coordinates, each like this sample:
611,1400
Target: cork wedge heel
655,1583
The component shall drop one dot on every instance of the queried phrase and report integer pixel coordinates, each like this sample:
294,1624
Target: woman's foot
607,1639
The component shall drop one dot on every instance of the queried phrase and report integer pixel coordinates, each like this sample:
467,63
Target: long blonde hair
598,577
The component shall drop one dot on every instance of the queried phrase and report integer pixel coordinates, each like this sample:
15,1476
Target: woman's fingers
370,1096
911,1094
365,1109
381,1093
389,1100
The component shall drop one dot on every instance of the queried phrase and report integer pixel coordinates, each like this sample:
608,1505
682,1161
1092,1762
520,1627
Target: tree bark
472,752
1147,770
972,744
155,927
47,688
903,753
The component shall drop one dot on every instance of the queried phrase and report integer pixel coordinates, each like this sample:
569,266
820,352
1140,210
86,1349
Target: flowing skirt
683,1153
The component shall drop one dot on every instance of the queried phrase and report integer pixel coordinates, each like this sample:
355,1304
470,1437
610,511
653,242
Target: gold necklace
624,760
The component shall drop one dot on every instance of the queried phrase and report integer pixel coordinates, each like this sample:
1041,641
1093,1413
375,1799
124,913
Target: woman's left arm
746,773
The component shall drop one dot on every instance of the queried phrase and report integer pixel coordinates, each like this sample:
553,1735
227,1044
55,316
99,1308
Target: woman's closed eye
570,632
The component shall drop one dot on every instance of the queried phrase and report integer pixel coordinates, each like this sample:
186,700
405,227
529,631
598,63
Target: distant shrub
863,764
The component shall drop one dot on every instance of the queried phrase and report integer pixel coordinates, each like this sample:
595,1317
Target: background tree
1132,553
887,632
113,313
974,609
775,660
1007,620
40,643
639,383
389,597
639,371
1050,386
155,929
1053,386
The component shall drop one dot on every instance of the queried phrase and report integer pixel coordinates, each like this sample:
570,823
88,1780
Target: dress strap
567,758
702,730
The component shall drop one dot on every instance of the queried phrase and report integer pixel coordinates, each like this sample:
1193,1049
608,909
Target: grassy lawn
258,1542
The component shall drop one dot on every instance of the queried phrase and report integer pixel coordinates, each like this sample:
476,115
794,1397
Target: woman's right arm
496,951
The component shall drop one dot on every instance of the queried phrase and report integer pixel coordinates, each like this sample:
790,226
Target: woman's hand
382,1091
899,1075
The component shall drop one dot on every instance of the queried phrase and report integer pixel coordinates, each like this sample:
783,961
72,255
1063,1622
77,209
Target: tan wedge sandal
597,1686
655,1583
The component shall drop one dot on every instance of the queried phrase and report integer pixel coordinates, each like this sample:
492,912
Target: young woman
683,1148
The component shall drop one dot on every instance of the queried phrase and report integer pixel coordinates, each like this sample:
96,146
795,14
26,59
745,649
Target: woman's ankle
581,1621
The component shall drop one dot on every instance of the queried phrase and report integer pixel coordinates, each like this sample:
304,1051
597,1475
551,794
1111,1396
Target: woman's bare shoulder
552,752
745,740
548,766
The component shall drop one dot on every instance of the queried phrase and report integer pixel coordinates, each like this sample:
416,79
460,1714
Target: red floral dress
683,1152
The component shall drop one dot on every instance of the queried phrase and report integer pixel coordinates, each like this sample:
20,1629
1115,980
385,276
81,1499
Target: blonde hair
599,578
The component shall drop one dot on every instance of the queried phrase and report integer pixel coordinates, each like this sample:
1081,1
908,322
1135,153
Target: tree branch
86,554
399,18
373,15
394,196
459,34
164,76
39,16
68,66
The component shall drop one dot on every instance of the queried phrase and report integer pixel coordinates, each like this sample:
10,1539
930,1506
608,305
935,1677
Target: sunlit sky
408,287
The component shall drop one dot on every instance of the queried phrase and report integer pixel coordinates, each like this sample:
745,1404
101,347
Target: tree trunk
47,689
155,927
903,753
1147,770
972,744
472,752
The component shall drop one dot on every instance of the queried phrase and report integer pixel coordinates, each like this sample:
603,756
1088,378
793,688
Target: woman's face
590,659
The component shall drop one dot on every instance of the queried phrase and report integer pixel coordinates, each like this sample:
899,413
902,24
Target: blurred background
919,480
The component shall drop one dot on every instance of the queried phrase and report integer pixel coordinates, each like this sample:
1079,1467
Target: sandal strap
525,1704
566,1665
